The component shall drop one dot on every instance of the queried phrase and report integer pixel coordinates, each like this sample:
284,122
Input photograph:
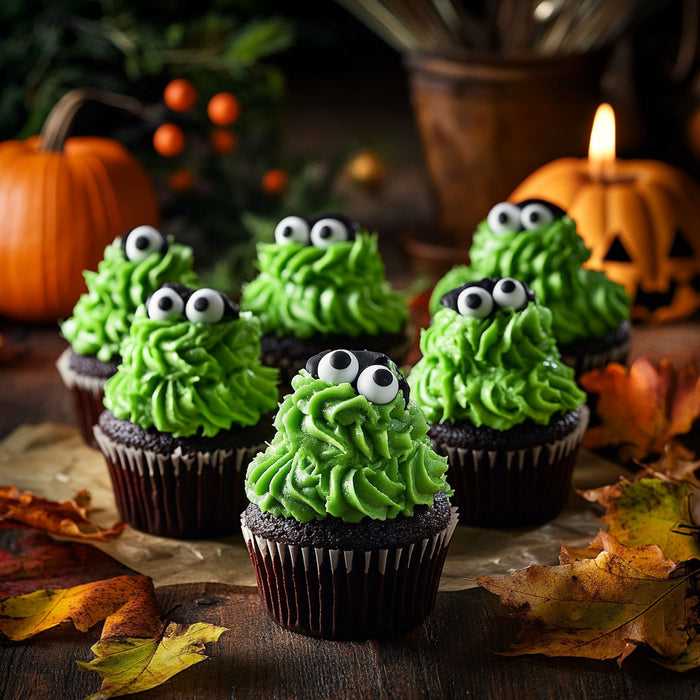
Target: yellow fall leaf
130,665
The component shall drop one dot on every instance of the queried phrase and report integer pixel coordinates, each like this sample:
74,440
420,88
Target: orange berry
222,141
223,109
169,140
180,95
275,181
181,180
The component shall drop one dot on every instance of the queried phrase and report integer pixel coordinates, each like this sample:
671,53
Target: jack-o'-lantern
641,220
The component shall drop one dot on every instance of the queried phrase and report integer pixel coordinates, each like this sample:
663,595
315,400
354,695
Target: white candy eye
205,305
378,384
292,228
140,242
475,301
535,215
510,293
338,366
325,232
164,303
504,218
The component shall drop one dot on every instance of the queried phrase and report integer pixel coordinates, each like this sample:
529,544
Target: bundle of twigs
503,26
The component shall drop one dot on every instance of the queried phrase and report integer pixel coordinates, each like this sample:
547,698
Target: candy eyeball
535,214
338,366
504,218
509,292
378,384
165,303
329,230
205,305
140,242
481,299
475,301
292,229
371,374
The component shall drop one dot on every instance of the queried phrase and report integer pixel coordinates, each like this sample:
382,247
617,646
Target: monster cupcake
133,266
349,519
501,405
188,407
536,242
322,284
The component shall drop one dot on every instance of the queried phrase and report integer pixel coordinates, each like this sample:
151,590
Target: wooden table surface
451,655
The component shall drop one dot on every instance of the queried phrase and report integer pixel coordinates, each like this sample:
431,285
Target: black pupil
142,242
201,304
508,286
288,231
473,300
326,232
503,217
165,303
340,360
383,377
535,216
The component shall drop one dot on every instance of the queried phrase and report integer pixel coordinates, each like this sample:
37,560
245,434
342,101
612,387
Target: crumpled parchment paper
52,461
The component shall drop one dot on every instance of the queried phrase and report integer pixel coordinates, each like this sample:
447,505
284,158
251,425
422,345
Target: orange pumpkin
642,224
62,200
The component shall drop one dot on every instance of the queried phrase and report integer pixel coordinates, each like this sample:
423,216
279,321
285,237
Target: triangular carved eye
680,247
617,252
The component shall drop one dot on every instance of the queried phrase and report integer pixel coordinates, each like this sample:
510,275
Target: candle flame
601,151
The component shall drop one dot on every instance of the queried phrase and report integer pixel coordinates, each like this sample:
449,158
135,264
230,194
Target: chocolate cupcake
133,266
501,405
187,409
536,242
322,284
349,520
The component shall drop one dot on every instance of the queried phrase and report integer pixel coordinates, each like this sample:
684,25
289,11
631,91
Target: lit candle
601,150
640,219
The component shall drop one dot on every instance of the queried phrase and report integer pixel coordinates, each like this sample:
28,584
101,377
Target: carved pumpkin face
642,225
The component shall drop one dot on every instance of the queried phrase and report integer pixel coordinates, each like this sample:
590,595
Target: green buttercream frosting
498,371
584,303
188,378
305,291
102,315
337,454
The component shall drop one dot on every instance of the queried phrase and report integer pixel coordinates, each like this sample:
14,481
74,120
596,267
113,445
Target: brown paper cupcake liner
189,496
87,393
348,594
593,360
506,488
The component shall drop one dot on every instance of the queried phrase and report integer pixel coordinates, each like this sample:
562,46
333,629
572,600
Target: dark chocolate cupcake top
323,277
350,444
489,357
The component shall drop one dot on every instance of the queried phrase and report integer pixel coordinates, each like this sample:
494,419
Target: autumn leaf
65,518
126,603
641,409
603,607
677,463
134,665
650,511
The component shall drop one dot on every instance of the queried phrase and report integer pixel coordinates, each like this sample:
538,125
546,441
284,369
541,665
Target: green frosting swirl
584,303
188,378
306,291
102,315
337,454
497,371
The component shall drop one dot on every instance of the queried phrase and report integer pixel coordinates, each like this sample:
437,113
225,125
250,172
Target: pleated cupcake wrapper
348,594
88,395
589,361
503,488
178,495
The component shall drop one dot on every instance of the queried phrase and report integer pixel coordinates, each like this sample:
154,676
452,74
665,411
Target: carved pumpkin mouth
655,300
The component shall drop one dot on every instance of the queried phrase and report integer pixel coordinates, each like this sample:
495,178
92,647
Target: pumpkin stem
59,123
